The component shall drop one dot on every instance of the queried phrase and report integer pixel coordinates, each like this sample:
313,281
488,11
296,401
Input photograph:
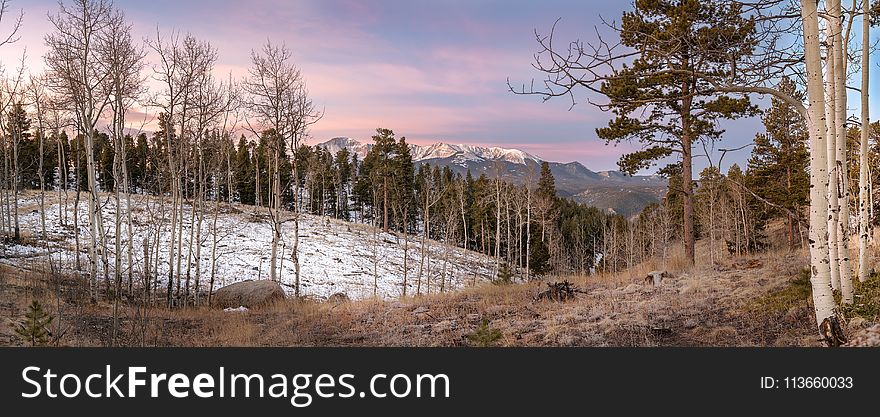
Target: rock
869,337
630,289
857,323
338,298
249,294
444,326
656,277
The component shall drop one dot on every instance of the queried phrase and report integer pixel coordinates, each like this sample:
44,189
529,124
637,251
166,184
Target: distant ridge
612,191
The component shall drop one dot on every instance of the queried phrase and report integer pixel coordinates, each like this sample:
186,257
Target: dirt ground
757,301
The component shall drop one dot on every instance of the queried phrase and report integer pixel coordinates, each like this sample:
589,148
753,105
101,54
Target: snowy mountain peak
439,150
338,143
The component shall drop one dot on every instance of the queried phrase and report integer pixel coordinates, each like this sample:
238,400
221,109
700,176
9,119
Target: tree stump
557,291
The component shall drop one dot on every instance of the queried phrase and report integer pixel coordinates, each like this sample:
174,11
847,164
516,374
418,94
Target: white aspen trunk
820,276
62,183
200,200
4,203
77,262
405,252
294,252
117,238
864,231
276,212
841,165
529,229
93,214
497,225
214,248
831,159
129,225
172,184
425,226
16,180
190,243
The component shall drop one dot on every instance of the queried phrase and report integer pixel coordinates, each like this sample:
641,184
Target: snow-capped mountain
607,190
338,143
441,150
470,153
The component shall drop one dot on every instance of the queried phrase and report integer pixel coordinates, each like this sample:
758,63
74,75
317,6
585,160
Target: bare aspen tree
214,101
123,58
11,111
277,99
11,36
432,195
123,62
73,62
38,99
864,230
270,86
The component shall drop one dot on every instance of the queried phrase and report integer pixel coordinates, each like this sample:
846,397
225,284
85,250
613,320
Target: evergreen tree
19,125
244,173
343,171
34,329
777,169
403,191
539,258
660,100
378,169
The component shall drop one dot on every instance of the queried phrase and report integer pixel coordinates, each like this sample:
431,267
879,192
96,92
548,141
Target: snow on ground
335,256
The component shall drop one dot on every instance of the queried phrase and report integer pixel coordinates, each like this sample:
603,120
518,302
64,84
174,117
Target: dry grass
695,307
752,301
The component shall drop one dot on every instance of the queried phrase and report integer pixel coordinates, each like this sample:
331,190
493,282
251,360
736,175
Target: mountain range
611,191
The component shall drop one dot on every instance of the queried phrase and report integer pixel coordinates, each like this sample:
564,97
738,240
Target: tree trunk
687,182
385,203
863,148
831,149
827,317
841,160
294,253
274,204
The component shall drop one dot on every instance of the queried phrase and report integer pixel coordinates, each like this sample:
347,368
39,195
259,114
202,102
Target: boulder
248,294
338,298
656,277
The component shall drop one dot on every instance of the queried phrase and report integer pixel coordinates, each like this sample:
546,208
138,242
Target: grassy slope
748,302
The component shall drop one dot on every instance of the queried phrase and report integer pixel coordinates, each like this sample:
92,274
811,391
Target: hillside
335,256
757,301
761,300
607,190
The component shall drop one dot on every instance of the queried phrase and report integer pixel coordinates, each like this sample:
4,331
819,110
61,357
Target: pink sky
431,71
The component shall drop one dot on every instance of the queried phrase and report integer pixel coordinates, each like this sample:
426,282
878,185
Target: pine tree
379,170
539,258
244,173
546,199
777,169
34,329
659,100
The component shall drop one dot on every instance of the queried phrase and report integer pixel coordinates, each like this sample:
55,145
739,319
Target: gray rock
248,294
656,277
338,298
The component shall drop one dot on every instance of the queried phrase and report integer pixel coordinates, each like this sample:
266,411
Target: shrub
484,336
